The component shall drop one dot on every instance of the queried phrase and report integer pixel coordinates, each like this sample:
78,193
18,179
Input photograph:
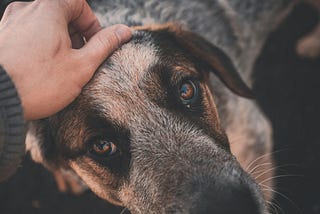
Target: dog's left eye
103,148
188,92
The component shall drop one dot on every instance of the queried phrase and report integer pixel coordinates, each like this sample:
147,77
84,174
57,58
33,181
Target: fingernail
123,32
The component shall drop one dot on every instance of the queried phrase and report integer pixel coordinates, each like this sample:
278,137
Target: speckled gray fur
175,164
239,27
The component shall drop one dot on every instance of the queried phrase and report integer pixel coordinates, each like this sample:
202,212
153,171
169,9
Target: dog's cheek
100,182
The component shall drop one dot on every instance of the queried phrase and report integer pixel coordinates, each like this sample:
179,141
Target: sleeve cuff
12,127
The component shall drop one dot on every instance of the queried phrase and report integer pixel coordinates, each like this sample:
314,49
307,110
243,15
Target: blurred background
288,91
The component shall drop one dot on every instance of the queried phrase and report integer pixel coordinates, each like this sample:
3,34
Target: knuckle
13,6
10,7
11,10
109,42
73,8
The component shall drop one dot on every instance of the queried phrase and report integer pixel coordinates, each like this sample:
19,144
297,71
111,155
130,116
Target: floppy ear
214,58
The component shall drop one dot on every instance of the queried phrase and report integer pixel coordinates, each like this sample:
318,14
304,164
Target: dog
167,123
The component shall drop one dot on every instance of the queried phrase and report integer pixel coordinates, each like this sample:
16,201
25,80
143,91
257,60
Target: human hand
39,54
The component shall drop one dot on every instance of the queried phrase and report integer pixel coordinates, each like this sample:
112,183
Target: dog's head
145,132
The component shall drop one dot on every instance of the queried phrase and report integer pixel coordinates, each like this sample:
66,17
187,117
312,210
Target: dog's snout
222,197
224,193
197,175
232,199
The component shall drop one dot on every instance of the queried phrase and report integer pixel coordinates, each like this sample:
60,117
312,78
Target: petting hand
38,42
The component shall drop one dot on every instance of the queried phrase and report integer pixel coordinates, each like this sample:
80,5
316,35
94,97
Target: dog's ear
216,60
208,54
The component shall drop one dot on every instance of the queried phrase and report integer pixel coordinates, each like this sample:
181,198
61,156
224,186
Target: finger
79,13
102,44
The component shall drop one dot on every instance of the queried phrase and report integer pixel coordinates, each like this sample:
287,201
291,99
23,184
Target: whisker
275,207
275,168
256,167
269,170
124,210
280,194
278,176
272,207
262,156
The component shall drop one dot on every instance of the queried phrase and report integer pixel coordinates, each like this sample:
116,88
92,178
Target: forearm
12,127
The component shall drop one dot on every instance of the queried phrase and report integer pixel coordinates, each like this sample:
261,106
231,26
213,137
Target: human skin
43,51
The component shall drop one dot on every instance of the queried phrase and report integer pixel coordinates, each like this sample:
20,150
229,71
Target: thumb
103,43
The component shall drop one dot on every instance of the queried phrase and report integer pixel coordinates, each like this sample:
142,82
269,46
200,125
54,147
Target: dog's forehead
116,86
127,66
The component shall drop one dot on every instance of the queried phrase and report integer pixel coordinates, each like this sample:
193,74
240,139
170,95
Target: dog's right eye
103,148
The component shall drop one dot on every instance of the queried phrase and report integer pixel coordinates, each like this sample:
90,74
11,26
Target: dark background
288,90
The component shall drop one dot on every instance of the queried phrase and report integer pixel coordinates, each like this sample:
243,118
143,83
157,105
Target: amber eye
103,148
188,92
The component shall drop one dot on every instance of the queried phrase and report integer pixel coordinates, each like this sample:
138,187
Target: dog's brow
99,120
176,71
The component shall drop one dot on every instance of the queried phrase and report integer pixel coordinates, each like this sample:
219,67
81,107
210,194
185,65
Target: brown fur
172,160
165,147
